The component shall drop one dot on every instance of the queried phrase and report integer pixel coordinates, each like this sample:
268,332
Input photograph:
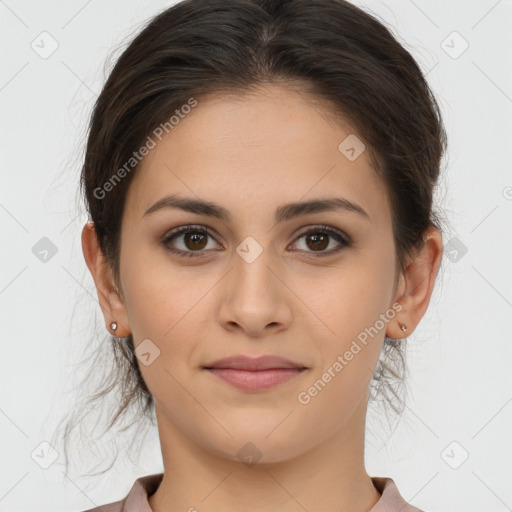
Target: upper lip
242,362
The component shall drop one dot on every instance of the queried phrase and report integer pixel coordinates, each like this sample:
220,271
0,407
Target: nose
255,298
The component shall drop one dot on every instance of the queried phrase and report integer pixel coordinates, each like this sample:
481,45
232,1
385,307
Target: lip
242,362
255,374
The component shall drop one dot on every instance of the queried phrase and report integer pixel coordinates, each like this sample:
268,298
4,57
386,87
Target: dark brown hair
328,48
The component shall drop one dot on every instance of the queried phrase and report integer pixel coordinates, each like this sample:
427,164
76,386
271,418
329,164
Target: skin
251,154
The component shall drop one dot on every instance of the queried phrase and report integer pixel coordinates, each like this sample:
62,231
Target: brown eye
194,240
317,240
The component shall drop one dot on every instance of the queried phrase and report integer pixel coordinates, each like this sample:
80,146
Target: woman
259,176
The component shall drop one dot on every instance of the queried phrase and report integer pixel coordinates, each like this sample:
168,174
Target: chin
256,446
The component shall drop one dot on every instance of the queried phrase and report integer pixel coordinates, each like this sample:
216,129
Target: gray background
458,393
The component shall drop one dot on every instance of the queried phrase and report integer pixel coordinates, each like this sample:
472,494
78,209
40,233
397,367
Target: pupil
196,238
319,241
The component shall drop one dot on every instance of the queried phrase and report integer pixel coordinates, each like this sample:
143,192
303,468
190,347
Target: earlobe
112,305
416,285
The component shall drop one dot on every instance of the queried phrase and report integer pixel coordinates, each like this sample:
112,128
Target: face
301,287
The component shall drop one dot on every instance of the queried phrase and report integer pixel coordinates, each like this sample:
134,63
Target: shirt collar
145,486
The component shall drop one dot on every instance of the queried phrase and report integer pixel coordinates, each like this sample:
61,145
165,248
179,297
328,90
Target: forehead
270,146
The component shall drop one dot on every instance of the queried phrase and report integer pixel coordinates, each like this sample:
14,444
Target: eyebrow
283,213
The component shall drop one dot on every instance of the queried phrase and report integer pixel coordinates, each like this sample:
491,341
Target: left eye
319,238
195,240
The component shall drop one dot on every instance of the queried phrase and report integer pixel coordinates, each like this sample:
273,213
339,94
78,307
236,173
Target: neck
329,477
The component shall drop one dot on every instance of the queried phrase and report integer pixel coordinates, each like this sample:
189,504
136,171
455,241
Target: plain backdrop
452,449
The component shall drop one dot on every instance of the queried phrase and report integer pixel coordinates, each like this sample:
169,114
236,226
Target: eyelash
339,237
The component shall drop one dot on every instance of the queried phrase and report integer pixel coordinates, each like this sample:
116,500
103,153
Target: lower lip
256,380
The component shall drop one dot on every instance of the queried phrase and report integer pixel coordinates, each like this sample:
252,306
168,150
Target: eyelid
176,232
324,227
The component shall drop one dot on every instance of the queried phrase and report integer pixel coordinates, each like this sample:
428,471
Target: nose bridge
252,262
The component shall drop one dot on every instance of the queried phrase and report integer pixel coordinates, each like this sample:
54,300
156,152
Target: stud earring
113,326
403,327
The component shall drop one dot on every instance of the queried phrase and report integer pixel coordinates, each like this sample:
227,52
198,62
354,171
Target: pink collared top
145,486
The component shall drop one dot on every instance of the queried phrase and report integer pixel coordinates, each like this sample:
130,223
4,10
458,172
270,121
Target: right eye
195,239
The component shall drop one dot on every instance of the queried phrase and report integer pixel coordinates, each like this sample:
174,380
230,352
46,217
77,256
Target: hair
330,49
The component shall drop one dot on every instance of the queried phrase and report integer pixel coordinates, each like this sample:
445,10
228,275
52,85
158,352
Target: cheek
159,293
347,358
353,299
161,308
352,307
170,306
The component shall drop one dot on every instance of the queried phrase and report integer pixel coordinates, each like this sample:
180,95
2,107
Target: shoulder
391,500
137,499
116,506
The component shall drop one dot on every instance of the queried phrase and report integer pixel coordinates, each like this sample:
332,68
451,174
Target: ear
111,302
416,284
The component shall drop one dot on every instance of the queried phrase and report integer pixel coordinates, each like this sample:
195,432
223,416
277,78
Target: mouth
255,374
